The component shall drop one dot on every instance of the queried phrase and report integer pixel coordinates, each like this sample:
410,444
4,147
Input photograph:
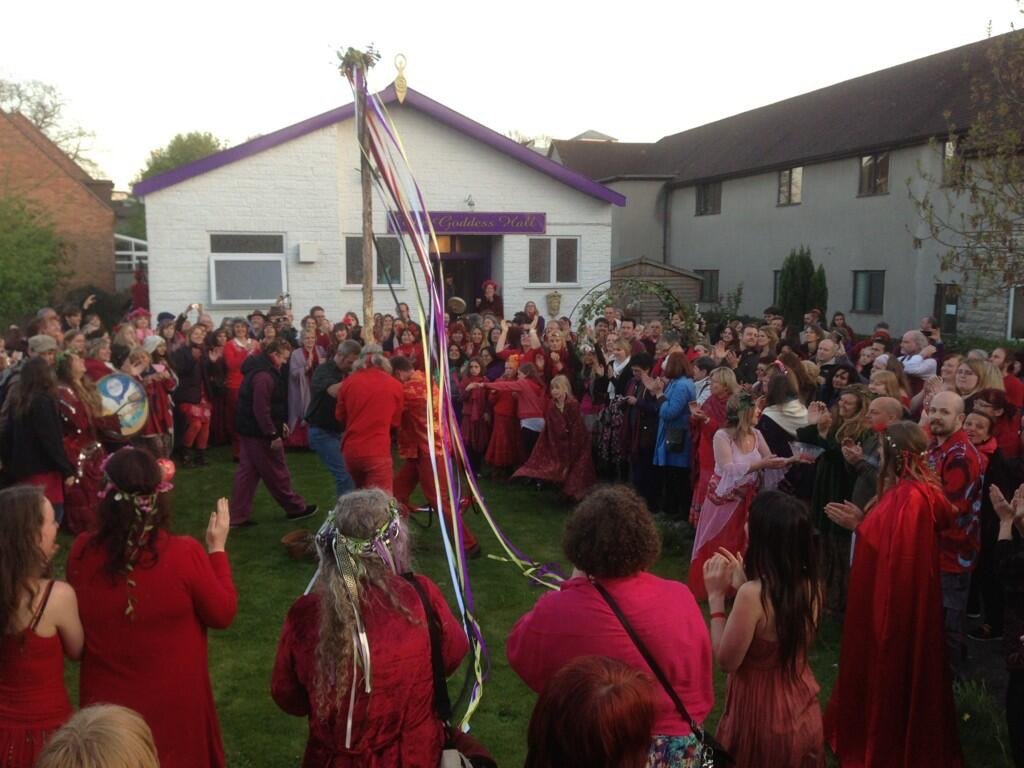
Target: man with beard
958,465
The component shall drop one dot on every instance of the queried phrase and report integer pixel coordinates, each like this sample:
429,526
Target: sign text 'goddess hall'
484,223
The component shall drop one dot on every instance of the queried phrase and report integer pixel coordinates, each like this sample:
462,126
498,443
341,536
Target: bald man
864,459
958,466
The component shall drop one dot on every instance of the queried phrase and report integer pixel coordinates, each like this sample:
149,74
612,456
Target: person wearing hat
490,301
41,345
257,320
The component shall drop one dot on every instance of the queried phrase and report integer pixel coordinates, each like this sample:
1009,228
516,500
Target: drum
124,397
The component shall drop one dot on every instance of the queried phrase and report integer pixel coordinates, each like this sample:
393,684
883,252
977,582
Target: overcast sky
137,73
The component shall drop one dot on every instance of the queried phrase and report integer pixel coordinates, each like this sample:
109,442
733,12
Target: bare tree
43,105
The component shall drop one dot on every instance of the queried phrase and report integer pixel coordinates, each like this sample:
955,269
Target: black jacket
34,443
193,375
246,421
320,412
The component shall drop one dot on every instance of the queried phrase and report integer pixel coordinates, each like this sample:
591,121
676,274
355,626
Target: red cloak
893,701
562,453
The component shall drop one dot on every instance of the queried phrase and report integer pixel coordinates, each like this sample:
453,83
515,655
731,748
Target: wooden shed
683,283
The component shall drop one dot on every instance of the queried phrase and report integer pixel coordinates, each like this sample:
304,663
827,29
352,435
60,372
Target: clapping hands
845,514
722,571
1008,511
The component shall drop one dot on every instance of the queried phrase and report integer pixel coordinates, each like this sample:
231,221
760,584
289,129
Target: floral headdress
905,458
349,554
140,531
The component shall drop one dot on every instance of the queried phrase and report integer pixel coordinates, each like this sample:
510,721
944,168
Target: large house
281,214
34,168
836,170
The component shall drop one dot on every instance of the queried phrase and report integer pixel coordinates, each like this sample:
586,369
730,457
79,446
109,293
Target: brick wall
309,190
80,217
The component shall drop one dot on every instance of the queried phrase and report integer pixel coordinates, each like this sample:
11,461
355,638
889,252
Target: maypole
354,66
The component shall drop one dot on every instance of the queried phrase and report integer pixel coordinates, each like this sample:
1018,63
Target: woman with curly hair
147,598
610,538
744,464
355,656
39,626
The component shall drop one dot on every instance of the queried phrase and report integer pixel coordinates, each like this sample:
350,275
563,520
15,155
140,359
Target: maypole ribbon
455,486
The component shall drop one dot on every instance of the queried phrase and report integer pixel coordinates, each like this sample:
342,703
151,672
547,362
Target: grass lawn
256,733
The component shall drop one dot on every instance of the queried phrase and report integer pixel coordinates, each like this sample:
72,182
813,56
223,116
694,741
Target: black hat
256,313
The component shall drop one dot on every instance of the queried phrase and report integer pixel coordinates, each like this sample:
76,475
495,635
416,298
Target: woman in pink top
611,538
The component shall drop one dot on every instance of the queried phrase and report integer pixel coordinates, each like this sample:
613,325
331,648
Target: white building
282,214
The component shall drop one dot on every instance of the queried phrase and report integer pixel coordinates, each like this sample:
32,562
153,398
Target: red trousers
418,470
371,472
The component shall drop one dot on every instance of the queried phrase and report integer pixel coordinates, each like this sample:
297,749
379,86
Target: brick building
282,214
34,168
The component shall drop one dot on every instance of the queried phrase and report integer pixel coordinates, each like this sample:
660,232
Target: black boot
187,460
201,458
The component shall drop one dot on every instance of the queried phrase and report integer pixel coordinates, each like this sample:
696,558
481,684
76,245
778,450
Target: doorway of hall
466,263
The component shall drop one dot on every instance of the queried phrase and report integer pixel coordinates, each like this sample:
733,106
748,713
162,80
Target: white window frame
347,286
218,257
553,262
1009,312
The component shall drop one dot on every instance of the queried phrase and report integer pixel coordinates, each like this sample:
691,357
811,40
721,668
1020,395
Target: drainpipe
665,229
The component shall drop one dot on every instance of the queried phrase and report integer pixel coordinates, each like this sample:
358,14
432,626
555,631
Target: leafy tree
975,212
818,294
30,259
44,105
795,293
183,148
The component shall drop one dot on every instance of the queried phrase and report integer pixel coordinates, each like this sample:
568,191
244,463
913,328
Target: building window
874,174
388,262
776,274
791,182
1016,321
554,260
709,198
247,268
868,291
709,285
954,168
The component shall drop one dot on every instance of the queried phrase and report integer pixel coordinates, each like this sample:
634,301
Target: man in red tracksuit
369,405
413,446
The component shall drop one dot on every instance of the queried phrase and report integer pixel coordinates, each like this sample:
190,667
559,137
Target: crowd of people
876,479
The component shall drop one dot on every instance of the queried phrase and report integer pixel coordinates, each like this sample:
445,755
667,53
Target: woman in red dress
236,352
892,703
147,599
562,453
476,415
40,624
80,412
159,380
503,447
772,716
362,673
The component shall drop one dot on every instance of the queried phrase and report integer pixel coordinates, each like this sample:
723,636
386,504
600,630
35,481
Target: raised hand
218,527
845,514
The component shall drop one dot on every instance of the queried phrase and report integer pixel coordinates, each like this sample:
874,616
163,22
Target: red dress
562,453
85,453
892,704
155,660
785,707
476,414
503,447
703,433
33,700
395,724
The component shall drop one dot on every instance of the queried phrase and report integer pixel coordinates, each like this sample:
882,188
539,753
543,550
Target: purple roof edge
428,106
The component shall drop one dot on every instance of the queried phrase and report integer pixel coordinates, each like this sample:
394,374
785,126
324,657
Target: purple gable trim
428,106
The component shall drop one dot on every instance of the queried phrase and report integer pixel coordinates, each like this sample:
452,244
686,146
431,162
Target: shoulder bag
710,753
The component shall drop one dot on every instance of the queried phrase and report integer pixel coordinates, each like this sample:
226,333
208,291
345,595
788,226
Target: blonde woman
102,736
885,384
706,420
741,455
348,637
969,380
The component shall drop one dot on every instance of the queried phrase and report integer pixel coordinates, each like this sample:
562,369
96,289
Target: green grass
257,734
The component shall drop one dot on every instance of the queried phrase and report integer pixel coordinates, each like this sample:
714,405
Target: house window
874,174
709,198
1016,329
709,285
776,274
554,260
791,182
247,268
388,262
868,291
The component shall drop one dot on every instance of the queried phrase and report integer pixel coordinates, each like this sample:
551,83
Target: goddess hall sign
479,223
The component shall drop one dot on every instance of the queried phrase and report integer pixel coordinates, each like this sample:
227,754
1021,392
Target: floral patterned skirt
673,752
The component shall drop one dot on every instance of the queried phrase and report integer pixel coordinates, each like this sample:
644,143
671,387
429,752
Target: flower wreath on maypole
409,215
